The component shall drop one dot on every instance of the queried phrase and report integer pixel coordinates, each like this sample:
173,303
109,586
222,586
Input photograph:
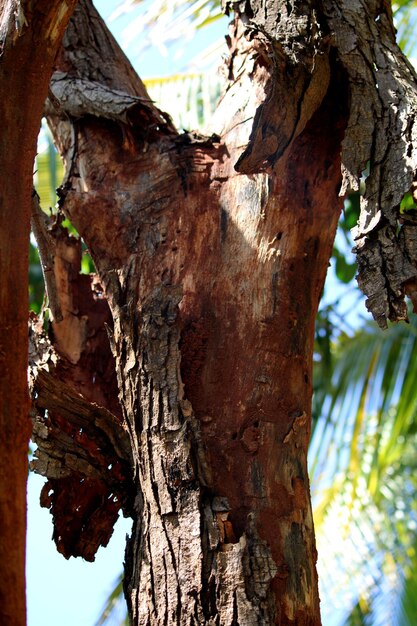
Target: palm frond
364,477
160,23
407,598
371,401
48,169
405,20
114,612
192,97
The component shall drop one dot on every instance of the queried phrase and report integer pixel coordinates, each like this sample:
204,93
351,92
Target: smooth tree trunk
30,37
211,255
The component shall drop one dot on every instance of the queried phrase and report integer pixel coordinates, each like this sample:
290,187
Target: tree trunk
29,40
212,252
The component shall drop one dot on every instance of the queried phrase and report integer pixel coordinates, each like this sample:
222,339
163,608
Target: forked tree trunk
212,252
30,37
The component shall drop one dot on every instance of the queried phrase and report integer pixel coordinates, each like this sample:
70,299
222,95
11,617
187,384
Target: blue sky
153,61
61,592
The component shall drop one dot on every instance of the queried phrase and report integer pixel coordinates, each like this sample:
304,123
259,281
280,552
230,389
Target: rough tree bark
211,254
30,37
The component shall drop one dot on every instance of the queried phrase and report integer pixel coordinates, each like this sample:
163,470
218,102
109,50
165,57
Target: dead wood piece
47,250
381,133
84,452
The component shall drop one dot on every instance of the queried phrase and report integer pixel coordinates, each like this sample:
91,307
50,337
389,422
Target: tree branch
47,251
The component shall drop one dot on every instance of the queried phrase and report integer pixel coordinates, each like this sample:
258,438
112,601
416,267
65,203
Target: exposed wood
380,139
30,35
39,224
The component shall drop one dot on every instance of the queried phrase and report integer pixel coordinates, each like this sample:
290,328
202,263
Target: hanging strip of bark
83,449
84,452
381,143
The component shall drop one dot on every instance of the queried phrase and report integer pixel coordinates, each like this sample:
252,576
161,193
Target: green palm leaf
364,477
48,170
406,21
114,611
407,603
192,97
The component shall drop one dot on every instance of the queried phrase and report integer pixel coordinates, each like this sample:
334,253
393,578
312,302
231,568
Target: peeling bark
83,449
212,254
382,133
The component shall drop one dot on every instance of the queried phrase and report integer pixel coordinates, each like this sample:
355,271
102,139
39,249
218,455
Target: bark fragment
288,40
83,451
382,133
82,447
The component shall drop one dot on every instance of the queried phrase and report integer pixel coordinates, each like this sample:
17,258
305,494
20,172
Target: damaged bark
381,134
83,448
211,255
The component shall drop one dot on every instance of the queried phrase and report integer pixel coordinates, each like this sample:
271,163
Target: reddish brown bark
29,39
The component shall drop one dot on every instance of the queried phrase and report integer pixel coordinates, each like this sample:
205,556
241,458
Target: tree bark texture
211,254
30,37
